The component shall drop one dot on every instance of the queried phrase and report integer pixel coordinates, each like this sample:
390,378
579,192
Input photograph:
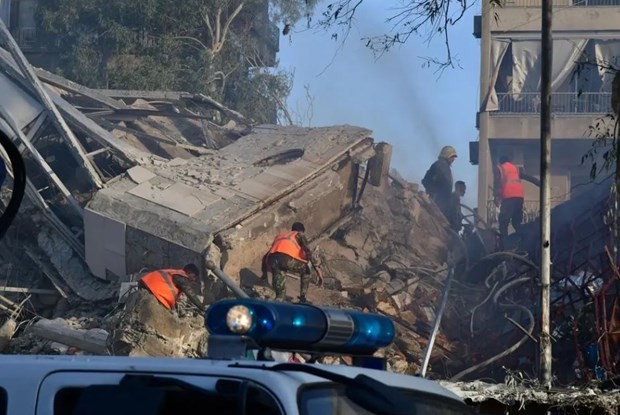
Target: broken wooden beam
111,126
131,114
44,98
70,86
8,120
44,291
177,96
92,341
82,123
143,135
145,95
95,131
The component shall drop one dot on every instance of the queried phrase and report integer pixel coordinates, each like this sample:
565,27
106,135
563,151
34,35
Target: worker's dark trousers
511,211
281,263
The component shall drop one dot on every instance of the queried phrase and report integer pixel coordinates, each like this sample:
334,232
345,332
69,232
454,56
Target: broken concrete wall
318,204
156,252
146,237
172,209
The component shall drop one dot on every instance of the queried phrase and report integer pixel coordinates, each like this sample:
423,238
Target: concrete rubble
122,182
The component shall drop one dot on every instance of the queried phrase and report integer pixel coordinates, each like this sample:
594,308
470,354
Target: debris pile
138,180
145,328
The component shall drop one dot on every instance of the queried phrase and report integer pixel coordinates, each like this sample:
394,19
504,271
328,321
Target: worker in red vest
509,196
289,252
167,285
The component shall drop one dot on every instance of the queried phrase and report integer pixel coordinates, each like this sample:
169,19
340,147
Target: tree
219,47
410,17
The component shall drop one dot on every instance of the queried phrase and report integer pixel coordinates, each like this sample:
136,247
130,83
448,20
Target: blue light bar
300,327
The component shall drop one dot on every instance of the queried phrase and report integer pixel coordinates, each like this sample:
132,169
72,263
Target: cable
19,183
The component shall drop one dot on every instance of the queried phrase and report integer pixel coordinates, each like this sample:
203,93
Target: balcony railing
562,3
561,103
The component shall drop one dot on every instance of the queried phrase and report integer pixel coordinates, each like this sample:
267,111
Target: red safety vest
160,284
511,185
286,243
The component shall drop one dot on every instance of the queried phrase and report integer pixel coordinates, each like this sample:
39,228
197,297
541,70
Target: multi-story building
586,41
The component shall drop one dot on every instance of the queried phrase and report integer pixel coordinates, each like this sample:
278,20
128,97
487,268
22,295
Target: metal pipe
226,280
436,324
545,193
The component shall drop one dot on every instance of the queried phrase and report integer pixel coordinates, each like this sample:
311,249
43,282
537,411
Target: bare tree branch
219,35
427,18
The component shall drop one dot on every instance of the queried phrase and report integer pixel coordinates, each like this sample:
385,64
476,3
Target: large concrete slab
185,204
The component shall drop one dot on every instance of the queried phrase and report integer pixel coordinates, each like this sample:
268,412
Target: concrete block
379,165
139,174
146,328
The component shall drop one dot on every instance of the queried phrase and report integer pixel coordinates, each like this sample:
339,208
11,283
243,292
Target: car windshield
332,400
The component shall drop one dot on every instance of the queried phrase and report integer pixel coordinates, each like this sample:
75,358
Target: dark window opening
4,402
180,399
332,400
281,158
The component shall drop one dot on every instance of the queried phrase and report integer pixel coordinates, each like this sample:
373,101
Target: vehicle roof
39,366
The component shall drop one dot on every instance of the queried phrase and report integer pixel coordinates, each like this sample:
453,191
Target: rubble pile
144,328
166,178
388,256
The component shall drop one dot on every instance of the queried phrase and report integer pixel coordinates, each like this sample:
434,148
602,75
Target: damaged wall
318,204
168,212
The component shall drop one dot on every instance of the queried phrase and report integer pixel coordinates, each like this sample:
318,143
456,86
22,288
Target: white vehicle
62,385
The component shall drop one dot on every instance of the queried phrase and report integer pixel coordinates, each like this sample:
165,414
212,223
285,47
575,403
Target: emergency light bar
300,327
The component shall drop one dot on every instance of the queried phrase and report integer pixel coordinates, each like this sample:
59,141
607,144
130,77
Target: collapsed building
125,181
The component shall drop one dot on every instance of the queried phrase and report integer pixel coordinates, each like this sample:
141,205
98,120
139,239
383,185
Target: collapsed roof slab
167,213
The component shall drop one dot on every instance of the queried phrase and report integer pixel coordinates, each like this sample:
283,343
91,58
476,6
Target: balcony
562,3
561,103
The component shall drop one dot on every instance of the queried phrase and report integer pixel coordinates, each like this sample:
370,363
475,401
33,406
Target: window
331,400
165,396
4,402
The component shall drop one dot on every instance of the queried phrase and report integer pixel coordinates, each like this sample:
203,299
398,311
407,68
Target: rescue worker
456,217
167,285
289,252
509,196
438,180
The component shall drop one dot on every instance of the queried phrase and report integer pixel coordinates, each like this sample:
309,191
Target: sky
412,107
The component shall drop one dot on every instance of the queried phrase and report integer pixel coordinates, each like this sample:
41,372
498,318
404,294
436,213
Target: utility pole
545,193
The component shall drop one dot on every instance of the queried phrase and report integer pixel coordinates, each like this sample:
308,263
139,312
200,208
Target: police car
239,376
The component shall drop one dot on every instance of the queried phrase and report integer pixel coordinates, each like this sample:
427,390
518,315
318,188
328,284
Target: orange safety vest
286,243
160,284
511,185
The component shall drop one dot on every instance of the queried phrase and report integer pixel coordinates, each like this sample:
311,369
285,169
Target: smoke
393,95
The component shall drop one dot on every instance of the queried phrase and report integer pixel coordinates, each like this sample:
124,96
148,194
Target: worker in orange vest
289,252
509,196
167,285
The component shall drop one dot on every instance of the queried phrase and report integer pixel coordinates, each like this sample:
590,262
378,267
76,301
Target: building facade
586,44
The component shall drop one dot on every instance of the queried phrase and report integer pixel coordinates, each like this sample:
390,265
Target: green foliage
201,46
602,154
